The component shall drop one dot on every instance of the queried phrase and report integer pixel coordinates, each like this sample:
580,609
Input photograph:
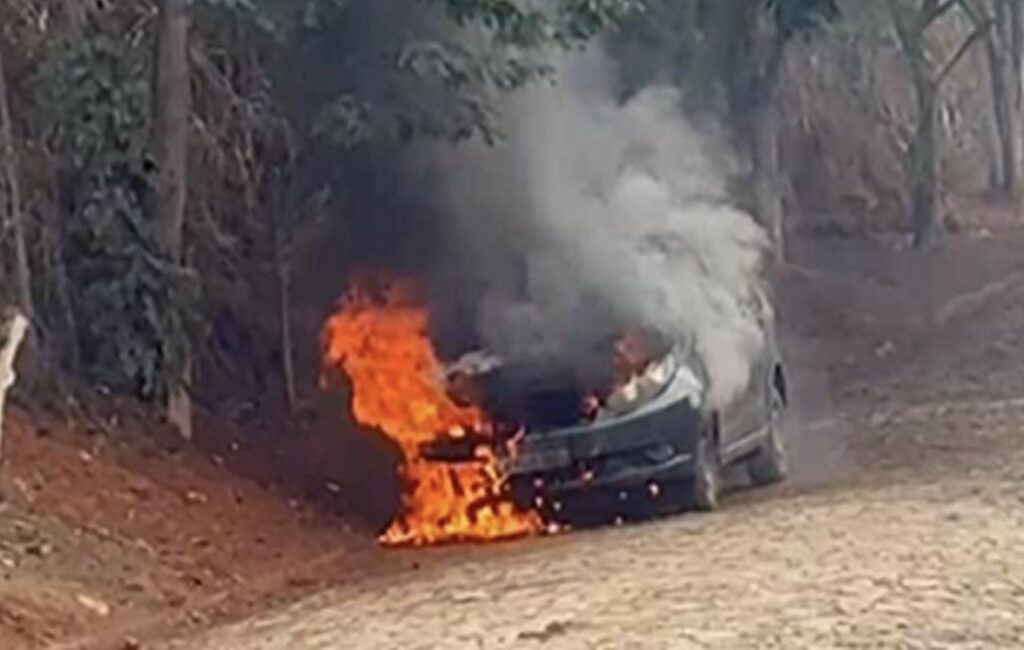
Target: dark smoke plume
595,216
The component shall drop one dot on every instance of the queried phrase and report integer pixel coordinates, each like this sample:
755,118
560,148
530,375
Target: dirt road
904,527
927,554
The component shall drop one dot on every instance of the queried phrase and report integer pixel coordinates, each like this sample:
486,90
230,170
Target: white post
16,327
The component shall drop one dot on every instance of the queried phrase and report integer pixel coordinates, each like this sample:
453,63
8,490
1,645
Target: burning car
654,430
491,448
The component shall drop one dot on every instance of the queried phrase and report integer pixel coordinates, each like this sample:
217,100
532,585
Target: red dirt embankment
109,528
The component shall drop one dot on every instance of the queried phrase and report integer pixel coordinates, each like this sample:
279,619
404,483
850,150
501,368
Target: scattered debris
301,581
140,491
39,549
549,631
469,596
94,605
131,643
192,497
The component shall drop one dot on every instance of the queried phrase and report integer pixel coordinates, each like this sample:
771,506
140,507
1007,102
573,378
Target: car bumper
675,424
652,444
652,447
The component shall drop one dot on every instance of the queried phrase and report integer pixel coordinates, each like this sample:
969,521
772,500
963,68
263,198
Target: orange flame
381,343
632,356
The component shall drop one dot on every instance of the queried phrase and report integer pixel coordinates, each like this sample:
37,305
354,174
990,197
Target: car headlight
648,384
691,386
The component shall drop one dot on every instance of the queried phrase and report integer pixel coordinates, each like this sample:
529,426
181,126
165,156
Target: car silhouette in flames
653,434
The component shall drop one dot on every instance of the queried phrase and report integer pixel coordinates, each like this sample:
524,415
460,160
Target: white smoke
619,214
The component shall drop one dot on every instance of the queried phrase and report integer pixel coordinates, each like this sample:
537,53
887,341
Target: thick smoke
597,215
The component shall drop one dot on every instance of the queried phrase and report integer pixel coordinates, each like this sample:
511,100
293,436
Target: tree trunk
768,177
1015,10
13,330
282,267
287,347
993,168
734,48
74,15
1000,38
1002,114
15,210
925,170
173,99
1000,29
911,26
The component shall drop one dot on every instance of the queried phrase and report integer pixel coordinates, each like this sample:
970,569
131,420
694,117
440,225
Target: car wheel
769,464
706,481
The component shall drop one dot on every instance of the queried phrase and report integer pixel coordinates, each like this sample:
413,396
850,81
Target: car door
746,414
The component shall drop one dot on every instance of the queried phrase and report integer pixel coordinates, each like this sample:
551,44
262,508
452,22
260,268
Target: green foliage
793,17
726,53
369,75
94,95
255,13
529,25
434,89
129,304
397,70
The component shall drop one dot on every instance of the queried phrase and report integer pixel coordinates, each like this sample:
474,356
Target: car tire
705,484
769,464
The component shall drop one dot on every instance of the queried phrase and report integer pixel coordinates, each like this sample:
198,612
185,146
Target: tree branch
900,26
1015,9
768,79
975,13
11,181
935,11
964,48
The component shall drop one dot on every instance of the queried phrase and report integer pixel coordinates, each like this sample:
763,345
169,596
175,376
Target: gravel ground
903,527
926,551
